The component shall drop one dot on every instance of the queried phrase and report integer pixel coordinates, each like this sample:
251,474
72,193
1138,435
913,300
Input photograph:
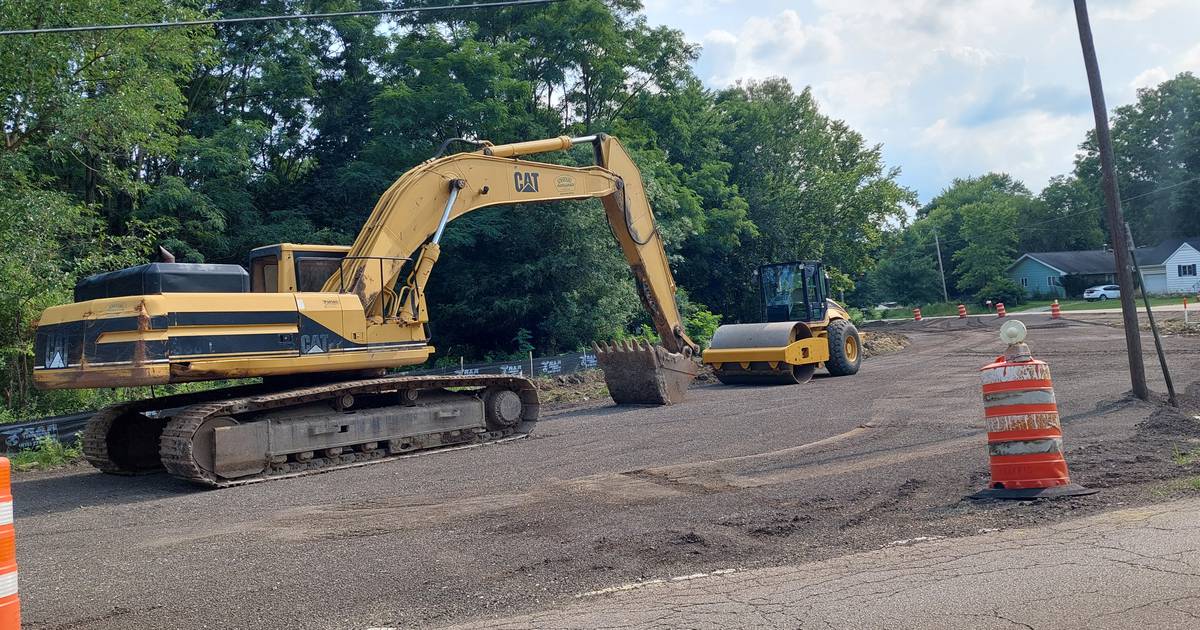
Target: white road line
910,541
636,585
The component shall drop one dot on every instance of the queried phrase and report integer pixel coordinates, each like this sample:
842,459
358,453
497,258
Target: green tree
989,230
98,109
1156,141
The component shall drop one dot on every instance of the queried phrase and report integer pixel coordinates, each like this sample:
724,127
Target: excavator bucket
641,373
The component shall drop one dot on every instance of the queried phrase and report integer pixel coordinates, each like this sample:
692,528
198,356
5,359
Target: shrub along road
736,478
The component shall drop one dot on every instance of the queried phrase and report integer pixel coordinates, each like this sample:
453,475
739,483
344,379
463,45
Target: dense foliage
984,222
217,140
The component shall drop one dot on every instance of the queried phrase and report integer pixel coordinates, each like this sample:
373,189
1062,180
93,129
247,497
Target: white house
1172,267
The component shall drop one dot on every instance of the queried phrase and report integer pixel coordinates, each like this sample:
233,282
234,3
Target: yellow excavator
802,328
321,325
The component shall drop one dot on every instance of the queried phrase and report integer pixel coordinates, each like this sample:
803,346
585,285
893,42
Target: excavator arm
404,232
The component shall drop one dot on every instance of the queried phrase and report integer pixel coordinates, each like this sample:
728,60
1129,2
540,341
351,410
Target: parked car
887,305
1102,292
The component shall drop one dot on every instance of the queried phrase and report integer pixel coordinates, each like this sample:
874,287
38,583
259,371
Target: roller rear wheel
845,348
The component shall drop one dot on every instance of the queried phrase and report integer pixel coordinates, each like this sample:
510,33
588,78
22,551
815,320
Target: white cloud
951,88
1148,77
1027,146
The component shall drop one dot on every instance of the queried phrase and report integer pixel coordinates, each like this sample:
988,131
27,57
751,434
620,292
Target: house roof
1097,261
1079,262
1159,254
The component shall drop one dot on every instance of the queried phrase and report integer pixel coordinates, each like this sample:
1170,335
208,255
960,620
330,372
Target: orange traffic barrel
962,311
1025,445
1055,310
10,605
1000,312
917,314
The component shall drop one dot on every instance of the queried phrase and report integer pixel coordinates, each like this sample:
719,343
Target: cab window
312,272
264,275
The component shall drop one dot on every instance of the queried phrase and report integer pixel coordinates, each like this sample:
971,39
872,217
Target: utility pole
938,244
1112,199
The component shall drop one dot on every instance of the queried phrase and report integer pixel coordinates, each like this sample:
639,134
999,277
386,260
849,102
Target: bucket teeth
638,372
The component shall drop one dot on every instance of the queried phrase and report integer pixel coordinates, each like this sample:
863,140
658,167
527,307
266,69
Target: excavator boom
457,184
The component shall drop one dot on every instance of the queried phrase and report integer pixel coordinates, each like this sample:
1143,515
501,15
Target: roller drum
765,335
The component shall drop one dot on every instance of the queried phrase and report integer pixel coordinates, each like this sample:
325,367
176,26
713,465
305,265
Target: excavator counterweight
322,325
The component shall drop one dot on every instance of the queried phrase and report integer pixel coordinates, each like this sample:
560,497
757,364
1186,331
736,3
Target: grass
1186,458
1170,488
1083,305
47,455
927,310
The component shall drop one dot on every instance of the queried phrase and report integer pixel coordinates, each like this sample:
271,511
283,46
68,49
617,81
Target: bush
701,324
48,454
1001,290
857,317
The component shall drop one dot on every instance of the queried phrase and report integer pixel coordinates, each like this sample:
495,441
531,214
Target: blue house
1057,274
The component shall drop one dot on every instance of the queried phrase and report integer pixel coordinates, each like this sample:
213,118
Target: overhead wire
1029,226
275,18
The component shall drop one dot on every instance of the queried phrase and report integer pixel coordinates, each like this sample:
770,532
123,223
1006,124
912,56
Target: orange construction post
962,311
1055,310
1000,312
1025,444
10,604
917,314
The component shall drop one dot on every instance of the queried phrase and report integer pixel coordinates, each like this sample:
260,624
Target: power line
1030,226
275,18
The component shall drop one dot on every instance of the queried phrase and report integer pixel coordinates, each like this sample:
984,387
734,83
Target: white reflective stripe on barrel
1015,372
1026,447
1019,397
6,517
8,584
1023,422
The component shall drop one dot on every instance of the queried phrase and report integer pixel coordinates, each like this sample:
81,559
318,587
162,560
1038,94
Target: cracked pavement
744,478
1131,568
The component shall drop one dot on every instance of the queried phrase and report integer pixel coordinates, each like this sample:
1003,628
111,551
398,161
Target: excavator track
95,440
181,445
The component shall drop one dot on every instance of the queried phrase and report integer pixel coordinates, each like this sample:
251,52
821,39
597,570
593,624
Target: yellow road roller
801,329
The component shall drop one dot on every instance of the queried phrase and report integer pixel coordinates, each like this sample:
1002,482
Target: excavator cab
794,291
291,268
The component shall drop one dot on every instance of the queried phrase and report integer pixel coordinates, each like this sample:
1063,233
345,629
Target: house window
1025,282
1051,281
1187,270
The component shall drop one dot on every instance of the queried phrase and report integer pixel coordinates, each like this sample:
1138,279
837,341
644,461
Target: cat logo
525,182
314,344
56,352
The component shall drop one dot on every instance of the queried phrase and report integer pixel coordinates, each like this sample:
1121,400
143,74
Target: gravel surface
737,477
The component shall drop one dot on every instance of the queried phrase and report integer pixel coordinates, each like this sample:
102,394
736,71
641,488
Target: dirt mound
1169,326
572,388
876,343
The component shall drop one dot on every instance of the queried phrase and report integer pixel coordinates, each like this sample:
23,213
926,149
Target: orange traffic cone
10,605
1000,312
1024,434
917,314
1055,310
962,311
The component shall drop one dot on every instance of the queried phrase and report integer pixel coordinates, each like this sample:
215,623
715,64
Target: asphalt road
736,477
1129,568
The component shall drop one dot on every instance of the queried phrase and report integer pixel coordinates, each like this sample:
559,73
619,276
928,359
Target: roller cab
801,330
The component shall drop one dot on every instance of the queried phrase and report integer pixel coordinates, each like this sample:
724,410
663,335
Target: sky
950,88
